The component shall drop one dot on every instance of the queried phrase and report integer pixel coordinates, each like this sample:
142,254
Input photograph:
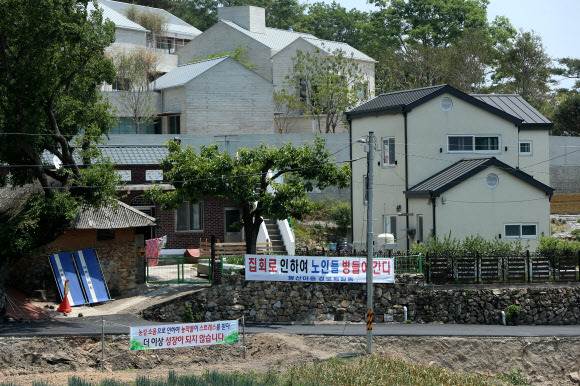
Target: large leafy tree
569,69
252,179
51,64
322,86
566,116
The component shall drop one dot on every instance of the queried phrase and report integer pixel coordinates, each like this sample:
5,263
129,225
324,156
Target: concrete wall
228,99
565,164
130,36
121,104
222,38
338,144
251,18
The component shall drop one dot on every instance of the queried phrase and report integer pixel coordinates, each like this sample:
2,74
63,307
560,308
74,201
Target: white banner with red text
184,335
318,269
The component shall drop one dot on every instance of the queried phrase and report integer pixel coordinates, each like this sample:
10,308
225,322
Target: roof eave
536,126
375,112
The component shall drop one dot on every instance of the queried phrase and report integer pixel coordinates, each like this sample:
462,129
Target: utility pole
370,172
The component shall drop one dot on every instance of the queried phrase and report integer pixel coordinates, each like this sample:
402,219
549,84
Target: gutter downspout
406,180
433,202
351,180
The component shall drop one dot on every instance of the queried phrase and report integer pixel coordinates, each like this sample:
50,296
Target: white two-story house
449,163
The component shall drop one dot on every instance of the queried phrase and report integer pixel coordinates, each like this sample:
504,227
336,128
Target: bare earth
54,360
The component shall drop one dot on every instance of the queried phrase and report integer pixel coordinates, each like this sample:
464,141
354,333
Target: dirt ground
54,360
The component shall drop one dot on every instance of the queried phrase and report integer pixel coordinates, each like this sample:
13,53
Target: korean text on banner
318,269
184,335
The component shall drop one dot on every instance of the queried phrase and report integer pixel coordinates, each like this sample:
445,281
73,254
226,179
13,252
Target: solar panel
91,277
64,269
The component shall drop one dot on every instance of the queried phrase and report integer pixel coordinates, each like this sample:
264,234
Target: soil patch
54,360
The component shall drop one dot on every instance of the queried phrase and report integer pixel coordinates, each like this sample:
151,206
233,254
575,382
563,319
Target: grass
369,370
558,227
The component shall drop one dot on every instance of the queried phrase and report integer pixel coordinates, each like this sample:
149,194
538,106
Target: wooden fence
232,249
565,203
492,269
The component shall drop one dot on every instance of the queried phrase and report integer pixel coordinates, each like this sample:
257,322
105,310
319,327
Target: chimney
251,18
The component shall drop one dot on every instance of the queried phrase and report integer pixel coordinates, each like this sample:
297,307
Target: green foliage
322,84
566,116
252,179
512,313
340,214
571,70
551,246
515,377
469,246
190,317
239,54
154,22
237,260
327,220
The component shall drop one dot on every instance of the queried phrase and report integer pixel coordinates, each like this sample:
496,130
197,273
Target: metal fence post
212,259
529,263
578,268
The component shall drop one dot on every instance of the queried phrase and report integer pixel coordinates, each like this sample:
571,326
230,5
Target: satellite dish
57,162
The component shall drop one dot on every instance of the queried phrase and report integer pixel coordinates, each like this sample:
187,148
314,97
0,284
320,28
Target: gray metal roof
515,105
463,170
395,99
120,20
330,46
180,75
115,216
275,39
175,25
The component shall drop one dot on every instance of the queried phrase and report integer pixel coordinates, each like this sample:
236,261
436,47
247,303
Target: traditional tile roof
180,75
515,105
175,26
134,154
404,101
463,170
115,216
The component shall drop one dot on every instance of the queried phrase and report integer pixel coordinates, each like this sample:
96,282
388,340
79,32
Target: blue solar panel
64,269
91,277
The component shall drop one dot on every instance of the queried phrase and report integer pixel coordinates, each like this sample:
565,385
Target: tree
524,68
324,86
251,178
155,23
571,70
134,71
566,117
51,65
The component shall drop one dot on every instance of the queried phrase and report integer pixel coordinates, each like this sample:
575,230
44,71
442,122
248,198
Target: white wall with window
189,217
526,148
474,144
524,231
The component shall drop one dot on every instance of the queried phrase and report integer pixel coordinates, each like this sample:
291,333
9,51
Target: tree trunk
251,238
5,265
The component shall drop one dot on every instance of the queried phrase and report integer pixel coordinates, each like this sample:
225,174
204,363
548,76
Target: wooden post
212,259
529,263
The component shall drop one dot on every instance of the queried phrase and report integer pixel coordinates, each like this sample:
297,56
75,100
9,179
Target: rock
574,377
277,304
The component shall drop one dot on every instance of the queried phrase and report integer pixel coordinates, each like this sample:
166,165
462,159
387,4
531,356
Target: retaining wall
309,302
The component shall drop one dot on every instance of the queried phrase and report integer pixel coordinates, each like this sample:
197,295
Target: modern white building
449,163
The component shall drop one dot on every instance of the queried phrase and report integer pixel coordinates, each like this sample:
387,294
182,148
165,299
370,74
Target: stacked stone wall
310,302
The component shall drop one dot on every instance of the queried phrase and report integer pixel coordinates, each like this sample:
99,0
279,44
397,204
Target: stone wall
309,302
117,257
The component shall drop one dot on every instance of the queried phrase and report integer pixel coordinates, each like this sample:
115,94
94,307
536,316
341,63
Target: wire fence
179,269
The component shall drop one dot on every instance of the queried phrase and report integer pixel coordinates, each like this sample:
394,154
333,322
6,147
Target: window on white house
473,143
189,217
174,124
390,225
388,152
528,231
525,147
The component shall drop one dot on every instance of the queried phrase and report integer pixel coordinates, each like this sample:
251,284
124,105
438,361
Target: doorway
231,234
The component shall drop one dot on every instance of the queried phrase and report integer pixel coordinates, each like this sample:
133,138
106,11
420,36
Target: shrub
190,317
469,246
575,232
512,313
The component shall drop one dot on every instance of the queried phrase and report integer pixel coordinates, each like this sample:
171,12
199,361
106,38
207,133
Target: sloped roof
515,105
134,154
275,39
120,20
330,46
180,75
464,169
401,101
116,216
174,24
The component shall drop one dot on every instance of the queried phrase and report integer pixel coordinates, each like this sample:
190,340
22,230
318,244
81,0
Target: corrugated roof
463,170
395,99
123,154
120,20
515,105
180,75
174,24
275,39
330,46
116,216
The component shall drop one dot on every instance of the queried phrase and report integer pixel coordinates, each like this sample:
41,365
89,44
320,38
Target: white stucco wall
223,38
130,36
538,164
229,99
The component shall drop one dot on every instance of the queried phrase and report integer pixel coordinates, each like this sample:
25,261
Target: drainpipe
351,182
433,202
406,181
